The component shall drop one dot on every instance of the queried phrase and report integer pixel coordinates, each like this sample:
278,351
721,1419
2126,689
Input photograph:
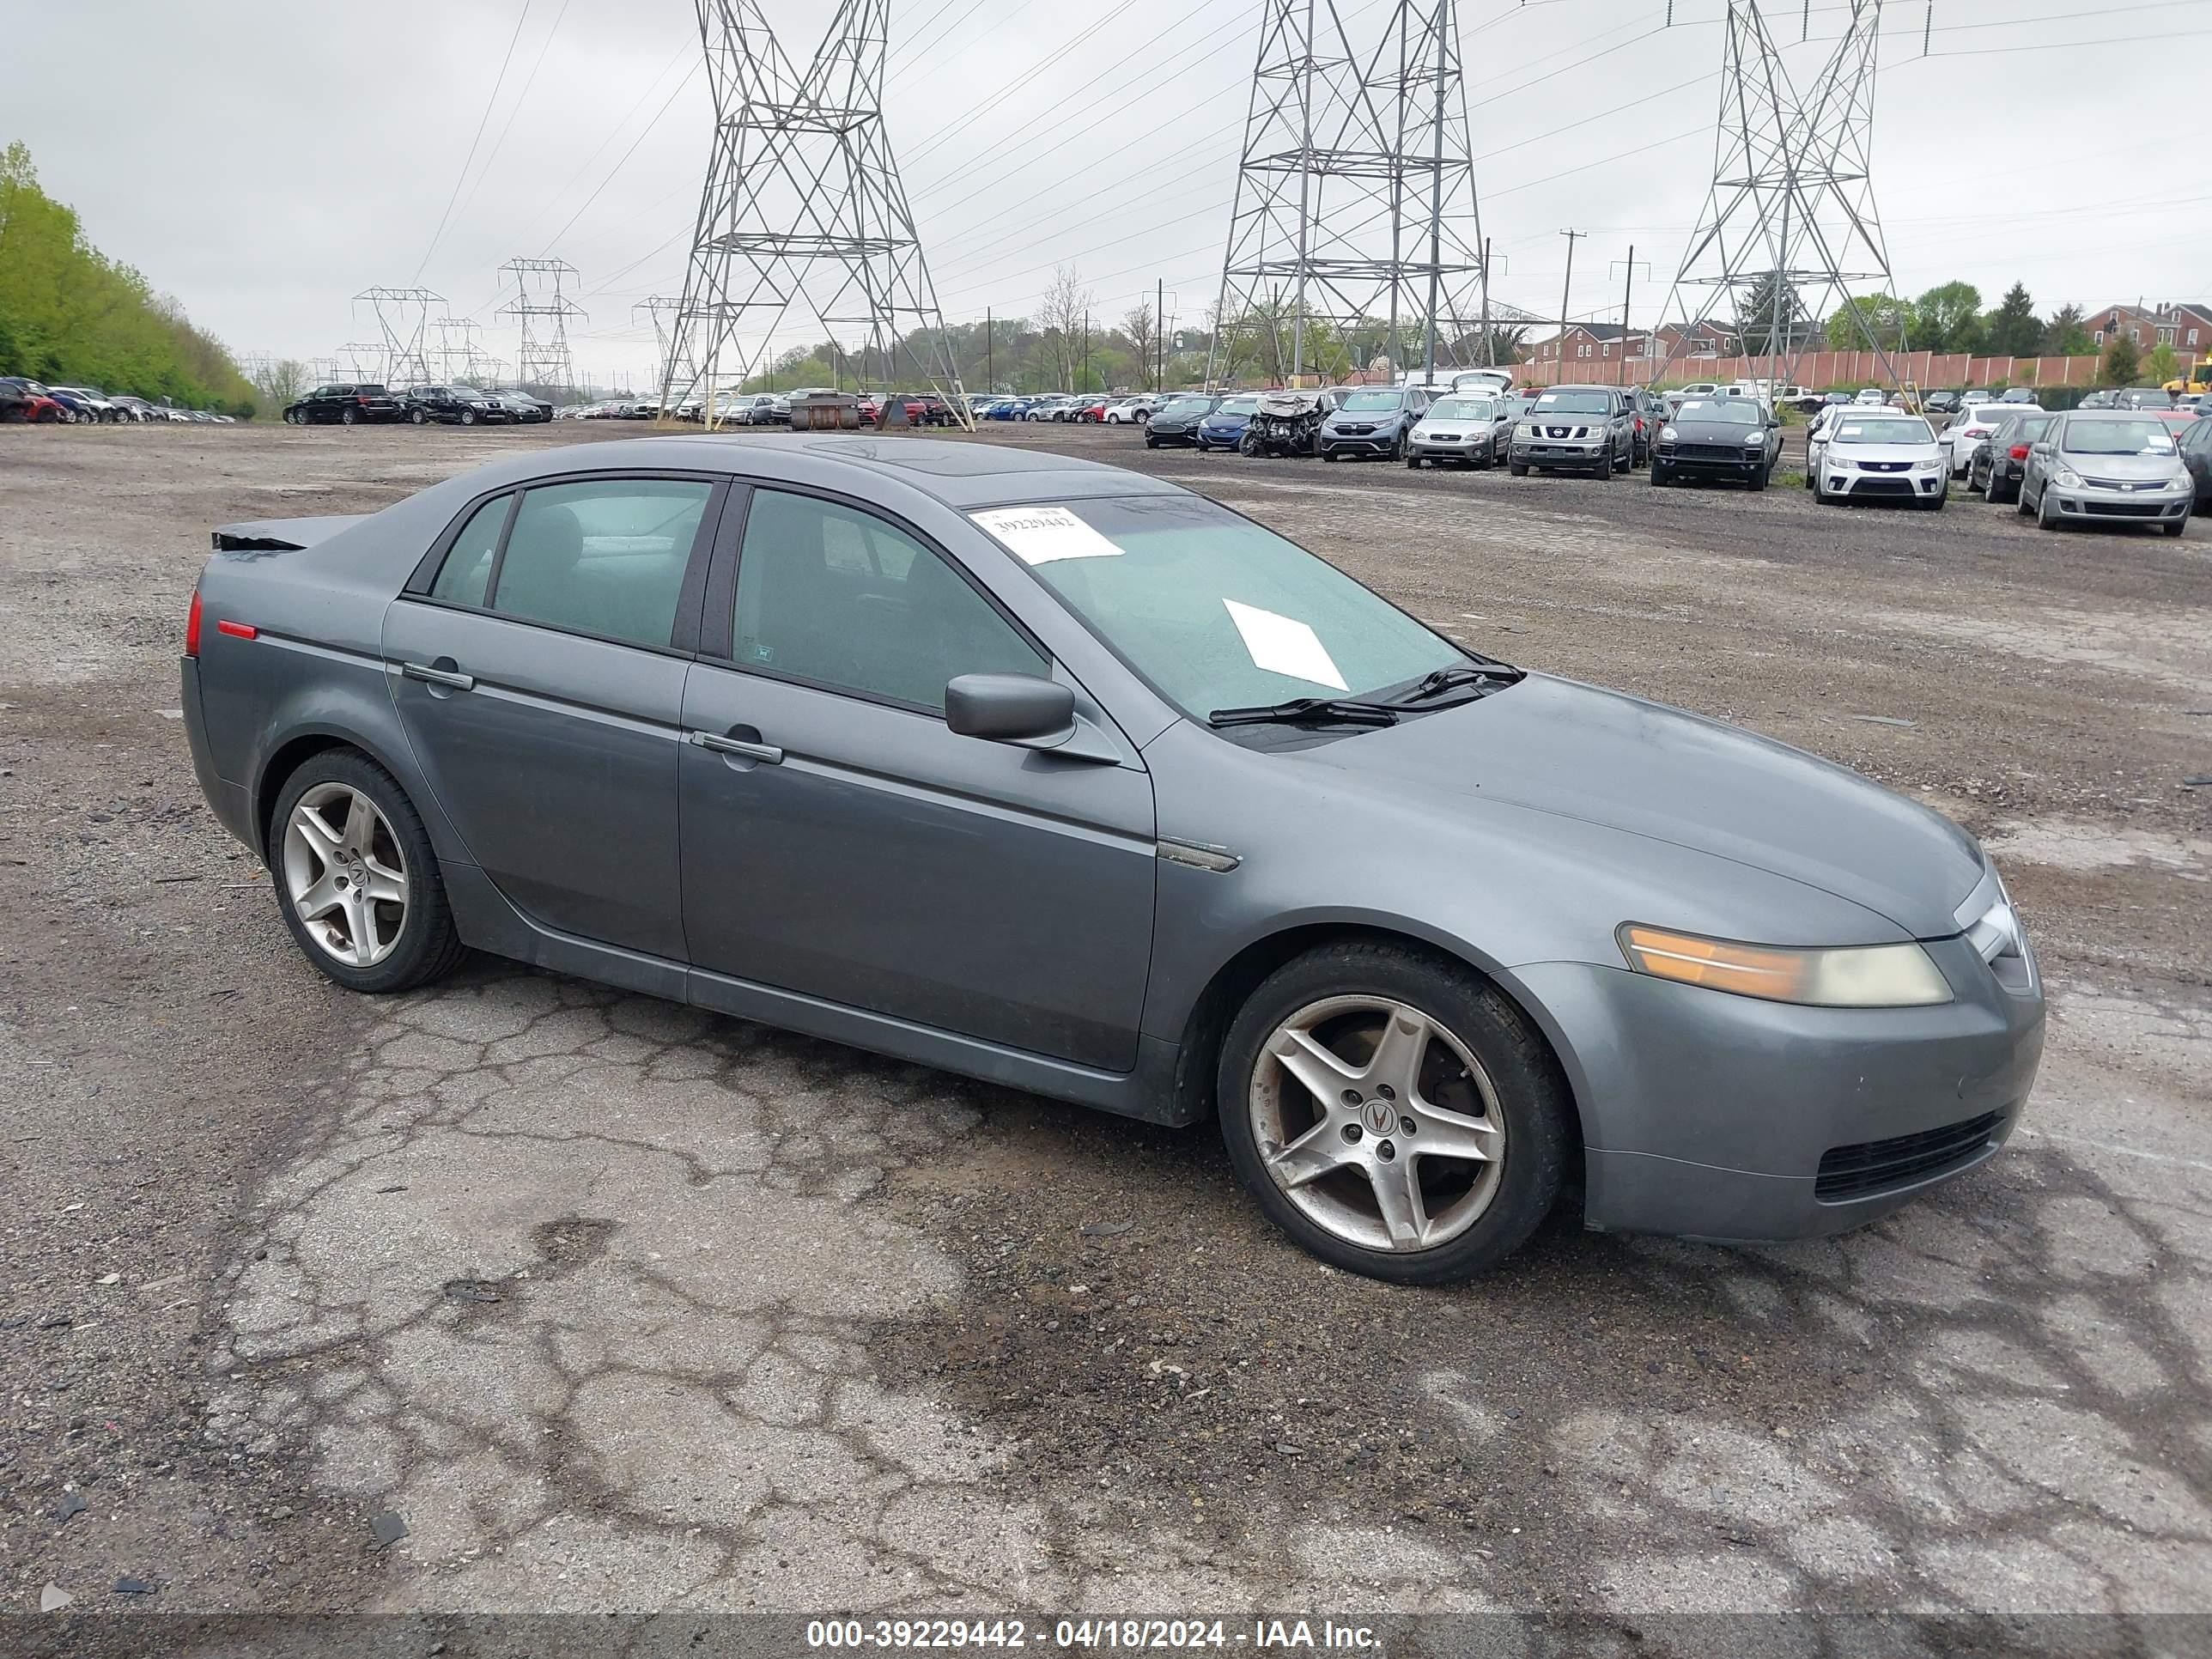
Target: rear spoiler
282,535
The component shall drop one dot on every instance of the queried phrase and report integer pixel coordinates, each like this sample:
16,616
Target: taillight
361,399
2018,451
192,625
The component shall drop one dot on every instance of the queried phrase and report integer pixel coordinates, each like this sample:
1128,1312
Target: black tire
1936,505
1519,469
1151,442
2176,527
348,416
468,417
428,946
1532,1096
1605,467
2046,518
1758,479
1660,476
418,417
1412,464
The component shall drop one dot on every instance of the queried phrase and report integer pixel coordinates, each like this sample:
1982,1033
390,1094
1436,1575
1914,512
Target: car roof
957,474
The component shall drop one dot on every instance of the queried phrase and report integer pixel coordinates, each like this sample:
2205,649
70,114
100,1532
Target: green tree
2122,362
2160,364
1949,317
1771,316
68,313
1872,320
2013,330
2065,336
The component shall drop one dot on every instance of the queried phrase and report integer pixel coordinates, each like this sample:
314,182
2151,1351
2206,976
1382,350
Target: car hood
1219,419
1365,416
2133,467
1603,757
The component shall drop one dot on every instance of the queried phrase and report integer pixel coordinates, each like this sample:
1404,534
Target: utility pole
1627,296
990,358
1489,342
1572,236
1159,334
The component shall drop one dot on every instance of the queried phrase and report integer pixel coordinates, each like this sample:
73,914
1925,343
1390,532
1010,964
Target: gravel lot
621,1305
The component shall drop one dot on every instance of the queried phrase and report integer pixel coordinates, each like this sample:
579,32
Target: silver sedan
2107,466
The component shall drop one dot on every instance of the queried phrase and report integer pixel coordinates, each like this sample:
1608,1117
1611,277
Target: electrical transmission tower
658,309
543,312
403,318
456,348
803,210
1356,215
1789,223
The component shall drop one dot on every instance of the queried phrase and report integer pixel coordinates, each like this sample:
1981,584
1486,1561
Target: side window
837,596
606,557
467,572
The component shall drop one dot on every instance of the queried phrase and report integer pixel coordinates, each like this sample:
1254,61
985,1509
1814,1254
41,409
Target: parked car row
363,403
26,401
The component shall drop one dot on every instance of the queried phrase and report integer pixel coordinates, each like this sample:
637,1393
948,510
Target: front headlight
1527,431
1928,465
1758,441
2065,478
1667,434
1854,976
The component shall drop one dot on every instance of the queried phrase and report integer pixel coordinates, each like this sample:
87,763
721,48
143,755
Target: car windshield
1734,411
1187,406
1217,611
2117,438
1879,430
1359,400
1239,406
1463,409
1574,403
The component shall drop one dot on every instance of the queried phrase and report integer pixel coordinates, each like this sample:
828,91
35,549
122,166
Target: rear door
538,662
842,842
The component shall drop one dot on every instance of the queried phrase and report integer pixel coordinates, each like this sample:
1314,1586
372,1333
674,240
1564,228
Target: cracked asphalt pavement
619,1305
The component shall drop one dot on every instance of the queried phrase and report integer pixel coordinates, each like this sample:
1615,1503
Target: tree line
70,315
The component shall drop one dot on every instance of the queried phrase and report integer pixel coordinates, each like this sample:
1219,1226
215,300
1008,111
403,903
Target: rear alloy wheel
1396,1115
348,416
356,877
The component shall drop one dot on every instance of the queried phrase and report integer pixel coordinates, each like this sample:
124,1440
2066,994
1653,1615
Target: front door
536,677
856,850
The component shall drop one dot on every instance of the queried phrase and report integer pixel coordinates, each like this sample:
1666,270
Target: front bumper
2092,504
1169,435
1214,439
1718,1116
1703,461
1481,447
1358,443
1560,452
1883,486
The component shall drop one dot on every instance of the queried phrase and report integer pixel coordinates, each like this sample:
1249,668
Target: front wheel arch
1207,1025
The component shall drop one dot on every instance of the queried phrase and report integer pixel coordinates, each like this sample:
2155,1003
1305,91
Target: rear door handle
430,676
767,752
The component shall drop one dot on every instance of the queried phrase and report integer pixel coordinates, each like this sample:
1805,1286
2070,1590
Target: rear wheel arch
295,752
1233,982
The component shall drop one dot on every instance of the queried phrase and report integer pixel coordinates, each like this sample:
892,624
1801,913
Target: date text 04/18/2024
1108,1635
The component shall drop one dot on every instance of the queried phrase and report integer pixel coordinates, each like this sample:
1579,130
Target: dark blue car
1225,428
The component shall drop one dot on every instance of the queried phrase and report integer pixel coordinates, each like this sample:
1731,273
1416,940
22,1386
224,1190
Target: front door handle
767,752
445,677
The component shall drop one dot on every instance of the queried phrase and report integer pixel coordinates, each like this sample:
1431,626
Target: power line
515,108
482,121
648,132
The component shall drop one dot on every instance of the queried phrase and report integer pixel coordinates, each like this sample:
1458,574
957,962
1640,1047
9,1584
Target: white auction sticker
1284,645
1038,534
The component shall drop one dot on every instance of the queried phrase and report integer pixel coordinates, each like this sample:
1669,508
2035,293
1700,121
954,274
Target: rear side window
605,558
466,576
833,595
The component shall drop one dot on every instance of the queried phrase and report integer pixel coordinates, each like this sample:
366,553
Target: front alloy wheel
1394,1114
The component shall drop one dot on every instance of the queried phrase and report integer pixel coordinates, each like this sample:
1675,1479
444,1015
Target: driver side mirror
1019,709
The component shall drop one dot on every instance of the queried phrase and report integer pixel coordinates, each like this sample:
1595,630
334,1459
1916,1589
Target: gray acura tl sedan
1069,778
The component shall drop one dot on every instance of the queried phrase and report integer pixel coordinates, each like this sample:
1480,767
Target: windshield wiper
1455,677
1308,711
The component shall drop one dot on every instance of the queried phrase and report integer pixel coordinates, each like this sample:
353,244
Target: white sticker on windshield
1284,645
1851,431
1038,534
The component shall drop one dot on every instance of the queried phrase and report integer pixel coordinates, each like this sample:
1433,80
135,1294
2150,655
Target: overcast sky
265,160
